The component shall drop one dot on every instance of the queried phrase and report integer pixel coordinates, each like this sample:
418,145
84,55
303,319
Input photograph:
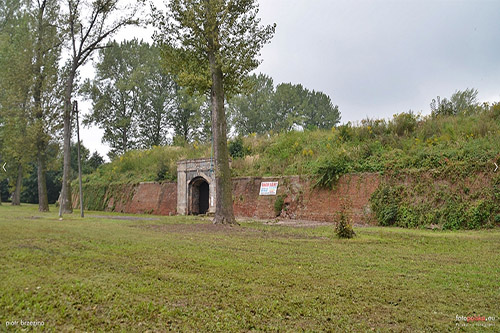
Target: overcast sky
375,58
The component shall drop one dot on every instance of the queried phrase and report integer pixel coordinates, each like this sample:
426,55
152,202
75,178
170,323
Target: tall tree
251,111
118,93
319,111
89,24
16,53
158,90
186,115
288,104
47,51
211,46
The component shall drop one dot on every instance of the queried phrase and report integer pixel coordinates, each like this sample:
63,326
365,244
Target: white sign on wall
268,188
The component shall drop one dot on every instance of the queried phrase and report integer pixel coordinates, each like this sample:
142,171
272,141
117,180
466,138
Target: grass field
108,272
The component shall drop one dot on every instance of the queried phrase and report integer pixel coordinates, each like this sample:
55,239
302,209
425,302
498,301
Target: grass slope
182,273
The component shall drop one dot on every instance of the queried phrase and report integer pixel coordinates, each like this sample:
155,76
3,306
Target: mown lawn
184,274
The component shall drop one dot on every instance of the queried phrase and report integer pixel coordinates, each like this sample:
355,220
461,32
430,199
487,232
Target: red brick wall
148,198
302,201
154,198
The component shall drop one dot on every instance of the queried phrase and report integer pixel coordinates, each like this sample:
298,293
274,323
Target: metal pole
75,110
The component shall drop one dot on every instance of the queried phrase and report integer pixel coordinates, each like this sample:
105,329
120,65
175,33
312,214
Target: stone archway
198,196
196,186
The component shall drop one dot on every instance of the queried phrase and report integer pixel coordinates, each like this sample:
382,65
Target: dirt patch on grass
194,228
217,229
126,218
299,223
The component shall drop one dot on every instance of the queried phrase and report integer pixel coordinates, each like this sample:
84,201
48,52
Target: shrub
345,132
343,229
278,204
385,204
403,123
237,148
478,215
330,169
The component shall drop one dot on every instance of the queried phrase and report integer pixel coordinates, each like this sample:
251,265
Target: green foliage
131,96
237,149
385,203
189,117
251,111
461,102
343,228
262,108
438,199
4,190
192,31
330,169
278,204
403,123
29,192
135,166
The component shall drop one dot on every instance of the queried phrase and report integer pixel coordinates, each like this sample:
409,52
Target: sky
376,58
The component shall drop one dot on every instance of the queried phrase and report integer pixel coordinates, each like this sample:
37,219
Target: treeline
43,45
264,108
138,106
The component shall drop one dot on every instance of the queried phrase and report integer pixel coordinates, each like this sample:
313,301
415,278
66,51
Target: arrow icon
3,166
496,167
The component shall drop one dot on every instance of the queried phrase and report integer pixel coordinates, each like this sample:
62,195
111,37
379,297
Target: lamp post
75,111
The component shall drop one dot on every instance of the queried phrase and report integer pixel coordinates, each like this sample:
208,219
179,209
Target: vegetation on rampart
413,152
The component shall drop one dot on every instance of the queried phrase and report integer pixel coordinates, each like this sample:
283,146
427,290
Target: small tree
343,229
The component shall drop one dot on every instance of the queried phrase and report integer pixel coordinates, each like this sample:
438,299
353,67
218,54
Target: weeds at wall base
414,200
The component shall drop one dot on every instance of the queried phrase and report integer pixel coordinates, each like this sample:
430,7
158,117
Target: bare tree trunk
43,201
16,196
41,145
66,206
224,203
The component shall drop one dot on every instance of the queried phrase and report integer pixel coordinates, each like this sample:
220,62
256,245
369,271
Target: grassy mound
457,152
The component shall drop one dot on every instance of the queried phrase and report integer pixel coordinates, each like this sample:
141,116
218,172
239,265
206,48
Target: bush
330,169
403,123
278,204
237,148
343,229
385,204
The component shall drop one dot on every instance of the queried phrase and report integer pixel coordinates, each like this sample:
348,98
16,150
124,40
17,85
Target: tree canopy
262,107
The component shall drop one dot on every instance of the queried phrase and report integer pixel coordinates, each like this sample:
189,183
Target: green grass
182,273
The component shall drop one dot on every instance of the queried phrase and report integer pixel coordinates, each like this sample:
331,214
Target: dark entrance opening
204,198
200,196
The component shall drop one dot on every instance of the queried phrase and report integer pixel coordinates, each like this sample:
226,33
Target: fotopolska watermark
483,321
24,323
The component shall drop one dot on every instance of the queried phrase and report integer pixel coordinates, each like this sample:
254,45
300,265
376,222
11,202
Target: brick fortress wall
304,202
301,200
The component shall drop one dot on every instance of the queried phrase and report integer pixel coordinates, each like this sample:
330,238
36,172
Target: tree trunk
66,206
16,196
224,203
43,201
41,144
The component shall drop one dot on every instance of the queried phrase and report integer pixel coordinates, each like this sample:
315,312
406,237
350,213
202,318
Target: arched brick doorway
199,196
